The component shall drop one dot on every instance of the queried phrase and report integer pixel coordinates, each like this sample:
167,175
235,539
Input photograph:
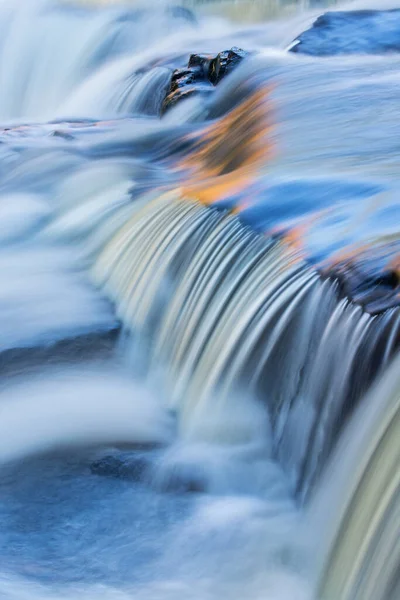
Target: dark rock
62,134
187,82
132,467
202,74
183,78
182,94
374,291
351,32
224,63
201,62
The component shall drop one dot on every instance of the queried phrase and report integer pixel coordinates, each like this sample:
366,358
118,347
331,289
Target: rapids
199,311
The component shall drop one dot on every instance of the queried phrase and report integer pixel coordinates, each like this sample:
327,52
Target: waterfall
227,309
361,495
49,51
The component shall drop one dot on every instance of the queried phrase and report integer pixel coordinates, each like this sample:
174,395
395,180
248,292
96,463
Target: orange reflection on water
230,152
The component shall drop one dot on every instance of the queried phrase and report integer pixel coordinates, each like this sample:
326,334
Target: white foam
221,469
78,408
42,300
20,214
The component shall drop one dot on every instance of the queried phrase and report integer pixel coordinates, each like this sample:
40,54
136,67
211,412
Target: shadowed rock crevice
376,292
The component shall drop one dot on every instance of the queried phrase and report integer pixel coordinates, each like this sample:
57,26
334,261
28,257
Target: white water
44,70
236,539
233,293
83,408
234,304
360,552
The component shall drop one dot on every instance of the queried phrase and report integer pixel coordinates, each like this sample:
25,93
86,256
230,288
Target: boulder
224,63
202,73
351,32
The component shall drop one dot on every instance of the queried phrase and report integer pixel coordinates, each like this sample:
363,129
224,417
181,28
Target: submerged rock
62,134
173,12
375,291
132,467
351,32
181,12
202,74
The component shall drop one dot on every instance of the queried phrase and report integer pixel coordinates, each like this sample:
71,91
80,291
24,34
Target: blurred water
83,151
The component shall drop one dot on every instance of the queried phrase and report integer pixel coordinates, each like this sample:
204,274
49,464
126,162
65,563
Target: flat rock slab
88,348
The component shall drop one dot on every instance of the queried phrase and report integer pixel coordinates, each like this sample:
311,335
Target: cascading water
195,301
361,557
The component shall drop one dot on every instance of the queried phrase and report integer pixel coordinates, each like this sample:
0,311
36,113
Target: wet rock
224,63
202,74
201,62
62,134
183,93
132,467
351,32
374,291
183,83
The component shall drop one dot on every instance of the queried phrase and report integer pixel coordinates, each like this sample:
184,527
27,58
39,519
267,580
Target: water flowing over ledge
227,309
362,490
